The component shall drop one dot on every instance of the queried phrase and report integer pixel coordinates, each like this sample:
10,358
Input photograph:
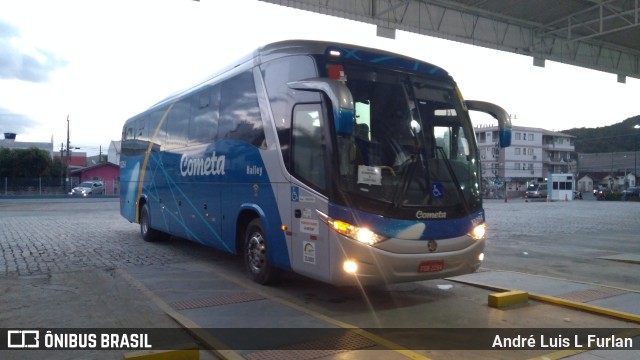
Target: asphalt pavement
77,264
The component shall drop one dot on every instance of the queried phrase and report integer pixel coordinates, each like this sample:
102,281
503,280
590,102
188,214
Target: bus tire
147,232
255,250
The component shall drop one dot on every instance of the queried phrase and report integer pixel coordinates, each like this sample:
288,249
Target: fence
47,186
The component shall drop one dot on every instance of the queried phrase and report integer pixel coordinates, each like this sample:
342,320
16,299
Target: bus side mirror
340,96
504,137
504,122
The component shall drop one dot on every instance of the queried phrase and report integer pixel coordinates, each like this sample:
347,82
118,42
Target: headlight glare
365,235
478,232
362,235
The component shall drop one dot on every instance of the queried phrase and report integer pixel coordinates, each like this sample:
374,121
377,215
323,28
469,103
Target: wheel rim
256,254
144,224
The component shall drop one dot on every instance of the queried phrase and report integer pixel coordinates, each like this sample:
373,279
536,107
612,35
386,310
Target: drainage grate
216,301
592,294
308,350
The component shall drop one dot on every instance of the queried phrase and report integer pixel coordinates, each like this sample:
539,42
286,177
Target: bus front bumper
360,264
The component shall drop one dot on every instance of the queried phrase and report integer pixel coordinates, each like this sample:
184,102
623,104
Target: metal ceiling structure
596,34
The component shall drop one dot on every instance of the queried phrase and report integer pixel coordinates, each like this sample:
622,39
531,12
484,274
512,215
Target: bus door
310,248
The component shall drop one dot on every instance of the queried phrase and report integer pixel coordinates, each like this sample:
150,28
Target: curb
558,301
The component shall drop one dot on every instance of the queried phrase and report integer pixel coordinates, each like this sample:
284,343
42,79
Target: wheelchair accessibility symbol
295,194
437,191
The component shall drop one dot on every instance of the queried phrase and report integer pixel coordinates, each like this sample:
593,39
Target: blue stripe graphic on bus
180,183
388,60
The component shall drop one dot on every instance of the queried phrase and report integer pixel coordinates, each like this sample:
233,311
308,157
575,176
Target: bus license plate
431,266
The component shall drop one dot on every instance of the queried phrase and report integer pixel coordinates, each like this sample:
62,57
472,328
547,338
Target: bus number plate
431,266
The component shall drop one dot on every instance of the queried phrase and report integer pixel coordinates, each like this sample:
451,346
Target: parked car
87,188
631,193
536,191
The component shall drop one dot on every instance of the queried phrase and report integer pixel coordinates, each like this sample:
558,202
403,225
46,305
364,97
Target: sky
99,62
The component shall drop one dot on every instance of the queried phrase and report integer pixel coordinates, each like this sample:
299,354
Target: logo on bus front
203,166
431,215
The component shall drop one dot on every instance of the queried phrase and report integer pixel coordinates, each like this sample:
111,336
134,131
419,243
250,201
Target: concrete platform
610,301
226,307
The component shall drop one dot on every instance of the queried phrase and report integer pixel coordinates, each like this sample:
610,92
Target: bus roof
351,53
348,52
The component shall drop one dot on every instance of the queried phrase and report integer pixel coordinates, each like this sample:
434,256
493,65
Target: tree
25,163
612,138
7,162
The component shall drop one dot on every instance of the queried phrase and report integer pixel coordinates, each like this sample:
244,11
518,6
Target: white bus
345,164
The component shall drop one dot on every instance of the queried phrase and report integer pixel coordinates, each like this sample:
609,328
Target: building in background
113,154
10,142
107,172
533,155
76,159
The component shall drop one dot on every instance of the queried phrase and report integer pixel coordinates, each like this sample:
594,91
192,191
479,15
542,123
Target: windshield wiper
447,163
404,181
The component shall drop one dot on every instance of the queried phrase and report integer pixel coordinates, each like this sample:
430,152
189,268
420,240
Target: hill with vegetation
612,138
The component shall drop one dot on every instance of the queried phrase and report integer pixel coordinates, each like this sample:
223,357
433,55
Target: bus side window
178,124
203,126
135,135
128,133
240,117
307,149
141,131
154,121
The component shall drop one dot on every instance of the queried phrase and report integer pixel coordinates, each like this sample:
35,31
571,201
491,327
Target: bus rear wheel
147,232
256,260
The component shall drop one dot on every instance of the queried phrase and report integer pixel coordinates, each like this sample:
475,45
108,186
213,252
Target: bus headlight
360,234
478,232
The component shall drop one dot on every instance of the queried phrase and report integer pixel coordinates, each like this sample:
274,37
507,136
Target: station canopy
596,34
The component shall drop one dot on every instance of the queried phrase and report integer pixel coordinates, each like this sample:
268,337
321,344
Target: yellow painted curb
559,301
586,307
507,298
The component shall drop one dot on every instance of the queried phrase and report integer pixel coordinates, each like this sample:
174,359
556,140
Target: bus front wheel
256,260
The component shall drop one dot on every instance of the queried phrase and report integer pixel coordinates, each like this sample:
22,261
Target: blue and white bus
342,163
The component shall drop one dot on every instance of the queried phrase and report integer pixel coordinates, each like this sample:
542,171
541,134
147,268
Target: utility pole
635,155
61,165
68,182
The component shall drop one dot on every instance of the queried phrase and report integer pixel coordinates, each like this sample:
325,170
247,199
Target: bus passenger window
178,124
128,134
307,149
157,127
240,117
203,125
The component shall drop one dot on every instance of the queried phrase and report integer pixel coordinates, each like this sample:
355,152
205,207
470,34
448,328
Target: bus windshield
412,144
